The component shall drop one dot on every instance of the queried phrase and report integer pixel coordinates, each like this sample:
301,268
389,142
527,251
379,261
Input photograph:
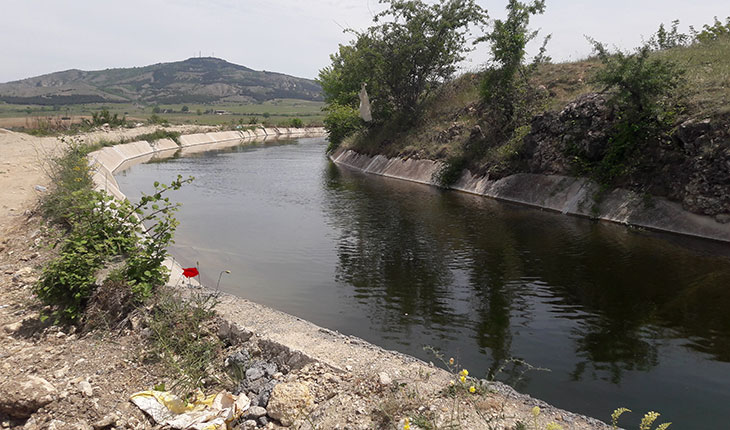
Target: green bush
100,228
69,174
712,32
156,119
105,117
341,121
643,93
296,123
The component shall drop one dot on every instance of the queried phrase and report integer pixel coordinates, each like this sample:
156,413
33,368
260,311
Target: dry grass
707,78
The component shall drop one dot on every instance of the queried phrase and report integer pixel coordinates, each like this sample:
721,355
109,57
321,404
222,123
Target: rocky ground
294,374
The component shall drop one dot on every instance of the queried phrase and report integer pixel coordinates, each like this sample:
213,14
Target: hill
195,80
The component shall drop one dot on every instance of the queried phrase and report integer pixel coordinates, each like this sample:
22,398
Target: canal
619,317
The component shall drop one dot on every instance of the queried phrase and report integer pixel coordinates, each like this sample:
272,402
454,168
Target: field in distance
270,112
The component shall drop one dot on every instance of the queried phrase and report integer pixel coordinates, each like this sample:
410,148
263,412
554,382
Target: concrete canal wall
568,195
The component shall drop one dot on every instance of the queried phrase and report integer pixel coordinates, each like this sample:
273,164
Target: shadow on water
621,317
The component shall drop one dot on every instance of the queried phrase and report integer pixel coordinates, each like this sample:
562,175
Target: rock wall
692,166
565,194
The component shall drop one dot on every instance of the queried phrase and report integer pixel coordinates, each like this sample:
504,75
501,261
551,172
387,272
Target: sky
288,36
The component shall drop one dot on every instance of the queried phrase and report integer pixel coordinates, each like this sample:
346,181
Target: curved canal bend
620,317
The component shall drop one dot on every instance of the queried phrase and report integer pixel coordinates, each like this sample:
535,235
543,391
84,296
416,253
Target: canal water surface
620,317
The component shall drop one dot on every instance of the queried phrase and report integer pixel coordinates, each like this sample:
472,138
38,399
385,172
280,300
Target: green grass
707,81
273,112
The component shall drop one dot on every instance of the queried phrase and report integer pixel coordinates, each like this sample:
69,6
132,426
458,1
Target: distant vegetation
53,120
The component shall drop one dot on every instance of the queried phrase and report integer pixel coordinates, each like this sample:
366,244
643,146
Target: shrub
341,121
99,228
712,32
105,117
296,123
645,100
69,174
156,119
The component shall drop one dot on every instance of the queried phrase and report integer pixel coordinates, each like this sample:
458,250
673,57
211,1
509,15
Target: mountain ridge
194,80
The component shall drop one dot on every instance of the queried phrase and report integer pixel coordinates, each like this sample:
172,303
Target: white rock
384,378
289,401
86,389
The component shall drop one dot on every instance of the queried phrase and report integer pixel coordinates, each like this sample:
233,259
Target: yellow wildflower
472,389
535,411
462,378
406,424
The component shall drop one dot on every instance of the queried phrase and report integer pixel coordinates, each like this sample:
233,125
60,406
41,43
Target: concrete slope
568,195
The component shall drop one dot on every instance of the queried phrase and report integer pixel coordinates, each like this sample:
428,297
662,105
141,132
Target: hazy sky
293,37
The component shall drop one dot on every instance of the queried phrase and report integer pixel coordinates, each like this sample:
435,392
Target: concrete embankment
568,195
300,341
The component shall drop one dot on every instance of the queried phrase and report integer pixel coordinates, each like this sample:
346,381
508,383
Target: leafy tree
184,109
412,48
352,65
420,45
506,88
156,109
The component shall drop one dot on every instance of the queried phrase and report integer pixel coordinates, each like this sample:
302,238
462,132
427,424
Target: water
621,317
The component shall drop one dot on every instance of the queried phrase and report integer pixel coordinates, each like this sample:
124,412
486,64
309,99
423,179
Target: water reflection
468,267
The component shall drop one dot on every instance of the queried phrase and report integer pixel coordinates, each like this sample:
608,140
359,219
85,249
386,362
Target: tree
412,48
156,109
506,87
420,46
184,109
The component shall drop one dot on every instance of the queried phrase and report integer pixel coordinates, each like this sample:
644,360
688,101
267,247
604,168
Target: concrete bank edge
295,337
564,194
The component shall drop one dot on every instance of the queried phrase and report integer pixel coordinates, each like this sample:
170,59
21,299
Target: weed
100,228
647,421
183,336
